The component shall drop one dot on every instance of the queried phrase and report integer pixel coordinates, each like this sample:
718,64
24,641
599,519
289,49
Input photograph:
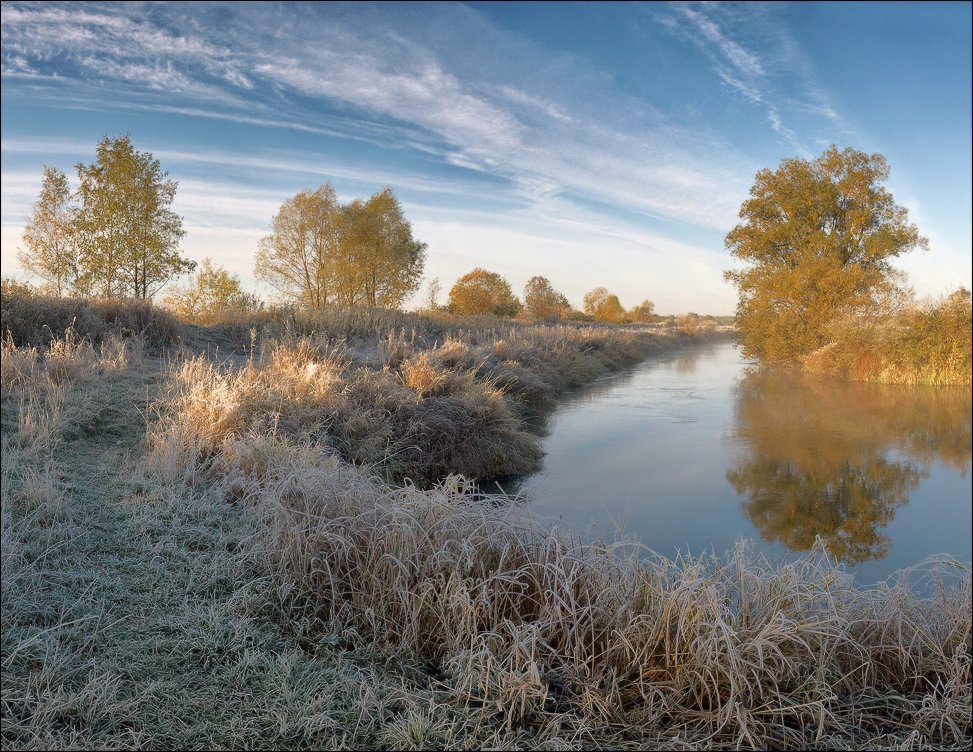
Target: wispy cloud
776,79
541,146
743,60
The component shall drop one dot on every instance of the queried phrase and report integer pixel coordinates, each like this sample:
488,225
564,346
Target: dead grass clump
70,359
532,625
18,365
423,375
38,320
396,348
456,354
929,343
420,425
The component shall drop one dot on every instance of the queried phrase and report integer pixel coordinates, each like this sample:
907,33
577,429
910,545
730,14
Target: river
697,449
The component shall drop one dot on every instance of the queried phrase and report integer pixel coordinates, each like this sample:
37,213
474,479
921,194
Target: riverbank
191,560
929,344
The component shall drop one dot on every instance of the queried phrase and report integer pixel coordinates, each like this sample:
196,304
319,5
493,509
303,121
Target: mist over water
698,449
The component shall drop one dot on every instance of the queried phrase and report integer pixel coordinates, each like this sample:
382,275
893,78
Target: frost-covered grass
279,550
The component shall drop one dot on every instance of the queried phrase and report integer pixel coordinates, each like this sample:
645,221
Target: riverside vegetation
266,534
817,287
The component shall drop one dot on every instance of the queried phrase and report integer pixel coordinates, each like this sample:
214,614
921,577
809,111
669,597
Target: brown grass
251,546
931,344
37,320
532,625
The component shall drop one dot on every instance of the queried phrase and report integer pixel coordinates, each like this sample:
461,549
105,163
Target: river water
695,450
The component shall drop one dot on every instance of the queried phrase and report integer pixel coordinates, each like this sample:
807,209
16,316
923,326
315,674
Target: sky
597,145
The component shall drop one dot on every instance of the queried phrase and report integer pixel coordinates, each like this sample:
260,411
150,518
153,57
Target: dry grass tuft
419,426
39,320
931,343
531,625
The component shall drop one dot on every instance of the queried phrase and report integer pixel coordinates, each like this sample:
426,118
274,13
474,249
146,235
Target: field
267,534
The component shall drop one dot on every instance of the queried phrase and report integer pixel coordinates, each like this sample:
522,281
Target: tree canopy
542,301
321,252
643,313
603,306
481,291
128,235
116,236
816,240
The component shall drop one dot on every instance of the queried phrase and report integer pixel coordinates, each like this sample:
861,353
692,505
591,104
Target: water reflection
837,460
687,364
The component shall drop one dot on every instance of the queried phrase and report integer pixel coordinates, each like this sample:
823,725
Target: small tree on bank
643,313
603,306
212,293
50,236
816,239
542,301
482,291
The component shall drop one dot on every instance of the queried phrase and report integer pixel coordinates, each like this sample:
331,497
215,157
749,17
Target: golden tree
50,237
816,240
481,291
321,252
299,257
127,235
643,313
603,306
542,301
212,293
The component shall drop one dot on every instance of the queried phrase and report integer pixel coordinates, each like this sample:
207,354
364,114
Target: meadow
276,532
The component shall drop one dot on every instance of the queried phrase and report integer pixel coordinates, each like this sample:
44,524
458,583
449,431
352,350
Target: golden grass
531,625
417,424
204,606
928,344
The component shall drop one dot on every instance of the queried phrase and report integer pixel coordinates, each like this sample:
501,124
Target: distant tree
692,324
128,237
432,294
816,238
14,288
643,313
50,237
299,258
212,292
321,253
482,291
542,301
383,263
603,306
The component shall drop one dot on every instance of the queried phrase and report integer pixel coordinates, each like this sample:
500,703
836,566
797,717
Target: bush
922,344
37,320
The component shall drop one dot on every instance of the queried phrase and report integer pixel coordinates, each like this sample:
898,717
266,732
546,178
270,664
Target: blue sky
594,144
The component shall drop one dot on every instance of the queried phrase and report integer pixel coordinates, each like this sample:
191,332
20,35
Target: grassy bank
925,344
266,539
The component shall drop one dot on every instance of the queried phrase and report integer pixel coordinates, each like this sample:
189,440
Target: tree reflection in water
835,460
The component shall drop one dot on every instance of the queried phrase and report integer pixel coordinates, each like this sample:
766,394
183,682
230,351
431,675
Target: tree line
485,292
815,245
117,236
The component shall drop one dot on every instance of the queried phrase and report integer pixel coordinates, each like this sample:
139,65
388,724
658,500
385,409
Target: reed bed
930,343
